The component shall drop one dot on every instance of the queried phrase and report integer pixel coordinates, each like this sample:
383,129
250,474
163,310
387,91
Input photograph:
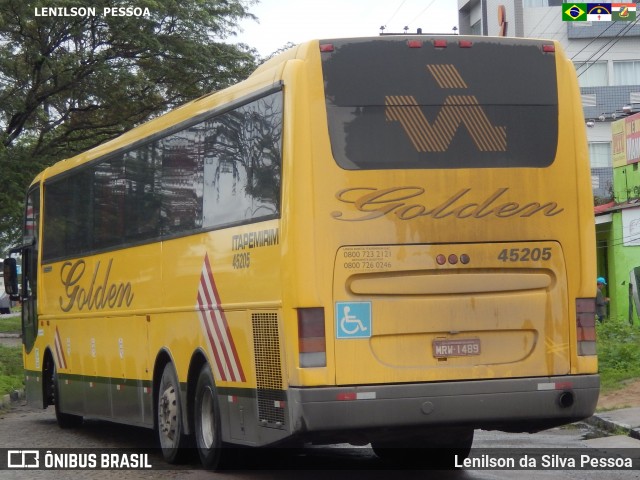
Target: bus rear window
489,104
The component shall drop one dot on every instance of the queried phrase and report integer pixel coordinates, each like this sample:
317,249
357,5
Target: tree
69,83
280,50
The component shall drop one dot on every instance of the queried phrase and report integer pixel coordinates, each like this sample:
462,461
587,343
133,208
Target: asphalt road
28,429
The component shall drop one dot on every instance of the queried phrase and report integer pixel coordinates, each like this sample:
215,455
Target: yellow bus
380,240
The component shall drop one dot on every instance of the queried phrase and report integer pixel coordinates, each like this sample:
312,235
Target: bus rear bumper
515,405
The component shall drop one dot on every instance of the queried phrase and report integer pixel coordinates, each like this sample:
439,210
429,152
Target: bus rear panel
457,276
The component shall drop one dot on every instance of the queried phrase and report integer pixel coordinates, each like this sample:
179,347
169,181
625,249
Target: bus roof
265,75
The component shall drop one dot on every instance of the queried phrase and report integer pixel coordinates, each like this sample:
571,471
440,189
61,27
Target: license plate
461,347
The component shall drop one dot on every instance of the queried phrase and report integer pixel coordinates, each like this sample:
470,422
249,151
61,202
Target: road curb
13,397
609,425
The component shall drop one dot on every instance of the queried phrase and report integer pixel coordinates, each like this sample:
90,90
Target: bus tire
65,420
171,435
214,454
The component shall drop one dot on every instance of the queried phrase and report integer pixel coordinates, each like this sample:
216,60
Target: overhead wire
550,25
621,241
394,13
613,41
610,43
544,17
421,13
593,40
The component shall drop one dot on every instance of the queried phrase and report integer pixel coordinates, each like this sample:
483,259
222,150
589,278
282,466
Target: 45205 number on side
525,254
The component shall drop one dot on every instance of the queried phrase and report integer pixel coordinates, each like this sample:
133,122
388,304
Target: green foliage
11,373
18,168
68,83
618,353
10,324
280,50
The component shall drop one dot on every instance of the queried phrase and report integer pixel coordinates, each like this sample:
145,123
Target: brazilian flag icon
574,12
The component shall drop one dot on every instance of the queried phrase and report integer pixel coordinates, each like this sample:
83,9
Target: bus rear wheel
170,420
214,454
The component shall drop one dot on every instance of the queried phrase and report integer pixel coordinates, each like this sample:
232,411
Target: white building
606,56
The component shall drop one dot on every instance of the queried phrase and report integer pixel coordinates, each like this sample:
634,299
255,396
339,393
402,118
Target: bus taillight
312,345
586,325
549,48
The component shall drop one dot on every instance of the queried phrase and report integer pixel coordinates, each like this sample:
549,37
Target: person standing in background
601,300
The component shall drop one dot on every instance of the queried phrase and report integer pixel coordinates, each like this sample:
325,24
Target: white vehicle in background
5,300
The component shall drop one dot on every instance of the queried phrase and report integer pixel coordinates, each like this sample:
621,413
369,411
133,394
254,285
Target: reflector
311,337
586,326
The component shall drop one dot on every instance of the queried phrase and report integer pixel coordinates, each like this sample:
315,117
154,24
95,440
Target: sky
282,21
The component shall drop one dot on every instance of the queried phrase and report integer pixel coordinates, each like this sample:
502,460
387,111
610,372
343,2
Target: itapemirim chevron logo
599,12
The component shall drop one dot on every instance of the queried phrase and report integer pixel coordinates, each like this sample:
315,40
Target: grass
11,373
10,325
618,353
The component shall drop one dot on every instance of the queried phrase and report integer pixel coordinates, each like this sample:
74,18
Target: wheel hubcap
207,418
168,413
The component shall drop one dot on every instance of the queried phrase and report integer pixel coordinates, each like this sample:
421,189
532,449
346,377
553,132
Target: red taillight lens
465,44
586,326
414,44
346,396
440,43
312,345
453,259
327,47
549,48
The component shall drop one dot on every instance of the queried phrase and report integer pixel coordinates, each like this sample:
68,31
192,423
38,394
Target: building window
600,154
601,170
626,73
592,74
476,28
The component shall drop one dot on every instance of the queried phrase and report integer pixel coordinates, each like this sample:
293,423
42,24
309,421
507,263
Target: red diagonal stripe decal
62,361
214,323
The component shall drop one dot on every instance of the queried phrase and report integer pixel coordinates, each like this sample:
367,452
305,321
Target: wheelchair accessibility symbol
353,319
